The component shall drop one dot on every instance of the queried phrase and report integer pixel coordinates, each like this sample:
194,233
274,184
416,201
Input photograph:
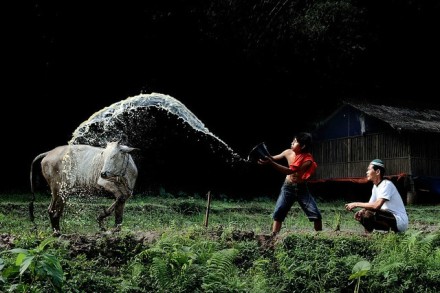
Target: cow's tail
31,204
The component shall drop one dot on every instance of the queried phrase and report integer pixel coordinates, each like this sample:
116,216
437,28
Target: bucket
258,152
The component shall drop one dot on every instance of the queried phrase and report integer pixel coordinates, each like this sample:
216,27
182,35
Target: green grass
226,256
144,213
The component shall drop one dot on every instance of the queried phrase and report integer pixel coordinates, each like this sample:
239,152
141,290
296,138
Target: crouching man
385,210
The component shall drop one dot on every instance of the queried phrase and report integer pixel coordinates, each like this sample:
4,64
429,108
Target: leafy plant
404,260
2,265
222,273
38,264
360,269
171,265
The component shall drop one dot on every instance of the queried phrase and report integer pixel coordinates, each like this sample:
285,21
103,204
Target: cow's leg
107,212
55,210
121,195
118,207
119,210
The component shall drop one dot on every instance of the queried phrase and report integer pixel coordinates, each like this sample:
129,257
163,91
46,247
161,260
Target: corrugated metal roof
402,119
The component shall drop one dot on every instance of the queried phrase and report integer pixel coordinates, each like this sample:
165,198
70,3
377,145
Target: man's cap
378,162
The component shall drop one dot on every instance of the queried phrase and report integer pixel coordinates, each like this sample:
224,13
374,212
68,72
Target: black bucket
258,152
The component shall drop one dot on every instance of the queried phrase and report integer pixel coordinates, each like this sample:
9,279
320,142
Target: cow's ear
127,149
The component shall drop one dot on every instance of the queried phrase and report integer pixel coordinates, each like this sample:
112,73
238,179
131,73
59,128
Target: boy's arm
280,156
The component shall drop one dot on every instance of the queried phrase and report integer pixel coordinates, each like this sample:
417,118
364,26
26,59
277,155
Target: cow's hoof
101,225
56,233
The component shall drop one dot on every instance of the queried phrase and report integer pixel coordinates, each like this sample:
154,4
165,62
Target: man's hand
358,214
350,206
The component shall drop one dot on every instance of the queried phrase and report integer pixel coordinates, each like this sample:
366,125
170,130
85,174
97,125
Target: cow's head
116,160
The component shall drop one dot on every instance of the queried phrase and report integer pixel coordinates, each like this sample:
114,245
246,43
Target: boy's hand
264,161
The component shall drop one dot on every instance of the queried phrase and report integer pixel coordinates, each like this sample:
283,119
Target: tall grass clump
175,263
408,262
318,263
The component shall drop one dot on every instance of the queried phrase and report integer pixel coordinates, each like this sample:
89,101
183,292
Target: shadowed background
250,71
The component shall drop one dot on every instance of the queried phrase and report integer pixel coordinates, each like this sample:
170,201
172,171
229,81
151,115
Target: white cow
79,169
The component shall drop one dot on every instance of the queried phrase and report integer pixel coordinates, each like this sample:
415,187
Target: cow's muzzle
106,175
111,177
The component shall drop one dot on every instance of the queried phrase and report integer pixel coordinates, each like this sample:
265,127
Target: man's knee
368,215
367,220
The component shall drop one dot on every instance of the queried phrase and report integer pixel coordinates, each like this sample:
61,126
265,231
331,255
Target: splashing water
103,125
176,149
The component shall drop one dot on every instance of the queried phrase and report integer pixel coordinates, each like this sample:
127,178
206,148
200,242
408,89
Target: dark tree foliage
243,67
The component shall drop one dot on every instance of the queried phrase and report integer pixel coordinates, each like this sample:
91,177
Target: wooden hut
407,140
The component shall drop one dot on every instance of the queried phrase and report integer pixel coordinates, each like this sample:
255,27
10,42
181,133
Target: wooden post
411,194
207,209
